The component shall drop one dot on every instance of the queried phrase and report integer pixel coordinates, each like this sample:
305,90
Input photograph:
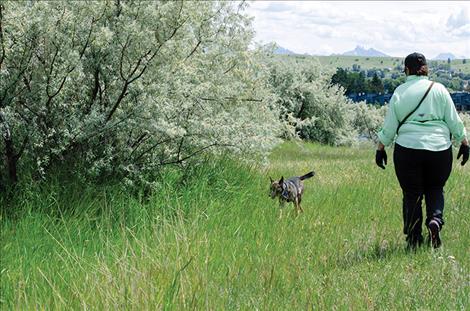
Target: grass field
343,61
215,242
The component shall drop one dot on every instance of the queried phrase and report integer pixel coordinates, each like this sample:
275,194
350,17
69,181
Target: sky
396,28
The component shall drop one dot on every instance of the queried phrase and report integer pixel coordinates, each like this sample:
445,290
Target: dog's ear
281,180
270,179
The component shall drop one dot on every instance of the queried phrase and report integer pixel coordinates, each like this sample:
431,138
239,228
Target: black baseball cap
415,61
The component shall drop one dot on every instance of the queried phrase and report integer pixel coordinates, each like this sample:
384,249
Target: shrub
368,119
128,87
310,106
465,117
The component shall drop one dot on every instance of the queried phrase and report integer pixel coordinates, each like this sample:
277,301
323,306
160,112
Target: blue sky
395,28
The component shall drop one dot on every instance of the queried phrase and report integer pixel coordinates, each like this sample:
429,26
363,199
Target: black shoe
434,237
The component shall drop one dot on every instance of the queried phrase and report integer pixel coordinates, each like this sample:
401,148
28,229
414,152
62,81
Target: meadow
343,61
211,238
346,61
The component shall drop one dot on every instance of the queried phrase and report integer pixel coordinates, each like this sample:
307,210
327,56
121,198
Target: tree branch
194,50
51,68
51,97
22,66
231,98
22,103
118,101
178,161
231,68
139,140
82,52
151,148
94,91
121,59
2,42
137,66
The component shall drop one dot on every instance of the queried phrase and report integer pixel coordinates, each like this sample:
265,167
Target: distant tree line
355,82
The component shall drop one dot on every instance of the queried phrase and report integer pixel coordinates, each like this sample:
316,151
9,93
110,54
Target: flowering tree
128,86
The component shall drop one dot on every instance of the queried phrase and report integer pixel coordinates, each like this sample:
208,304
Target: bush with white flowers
310,105
127,88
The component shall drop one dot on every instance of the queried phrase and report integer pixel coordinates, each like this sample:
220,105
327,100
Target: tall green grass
214,240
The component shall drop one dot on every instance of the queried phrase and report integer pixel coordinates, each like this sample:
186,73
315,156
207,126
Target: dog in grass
289,190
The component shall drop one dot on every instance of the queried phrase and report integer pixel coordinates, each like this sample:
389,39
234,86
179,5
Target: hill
347,61
445,56
283,51
455,76
361,51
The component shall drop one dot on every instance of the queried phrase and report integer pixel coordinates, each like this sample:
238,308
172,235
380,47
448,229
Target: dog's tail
308,175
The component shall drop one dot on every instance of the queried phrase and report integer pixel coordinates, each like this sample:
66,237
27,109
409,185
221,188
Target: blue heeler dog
289,190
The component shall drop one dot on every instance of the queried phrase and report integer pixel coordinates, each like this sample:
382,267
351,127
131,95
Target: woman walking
423,117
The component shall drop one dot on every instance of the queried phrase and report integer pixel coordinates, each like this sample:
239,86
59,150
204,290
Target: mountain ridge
361,51
445,56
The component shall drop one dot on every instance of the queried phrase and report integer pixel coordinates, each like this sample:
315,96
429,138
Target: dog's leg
300,207
296,205
281,207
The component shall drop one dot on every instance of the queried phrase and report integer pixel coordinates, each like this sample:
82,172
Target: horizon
394,28
456,57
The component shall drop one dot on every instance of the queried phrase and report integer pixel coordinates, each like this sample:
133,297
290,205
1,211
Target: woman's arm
452,119
389,130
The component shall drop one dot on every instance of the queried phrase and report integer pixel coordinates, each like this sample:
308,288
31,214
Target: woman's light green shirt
430,126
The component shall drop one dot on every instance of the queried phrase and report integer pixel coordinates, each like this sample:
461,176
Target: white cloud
458,24
463,31
278,7
396,28
459,19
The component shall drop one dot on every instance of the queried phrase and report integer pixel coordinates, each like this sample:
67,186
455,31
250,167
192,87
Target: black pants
422,173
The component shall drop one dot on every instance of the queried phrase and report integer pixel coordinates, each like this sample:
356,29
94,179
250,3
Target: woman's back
430,126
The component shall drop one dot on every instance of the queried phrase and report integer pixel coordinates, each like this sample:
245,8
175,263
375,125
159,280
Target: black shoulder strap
419,104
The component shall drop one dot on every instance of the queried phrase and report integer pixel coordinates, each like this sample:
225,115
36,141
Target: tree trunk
10,156
11,161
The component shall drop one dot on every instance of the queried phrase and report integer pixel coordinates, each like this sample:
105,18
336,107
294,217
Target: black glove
463,151
381,158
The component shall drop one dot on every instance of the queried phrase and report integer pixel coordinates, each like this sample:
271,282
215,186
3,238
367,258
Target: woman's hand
381,156
464,152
